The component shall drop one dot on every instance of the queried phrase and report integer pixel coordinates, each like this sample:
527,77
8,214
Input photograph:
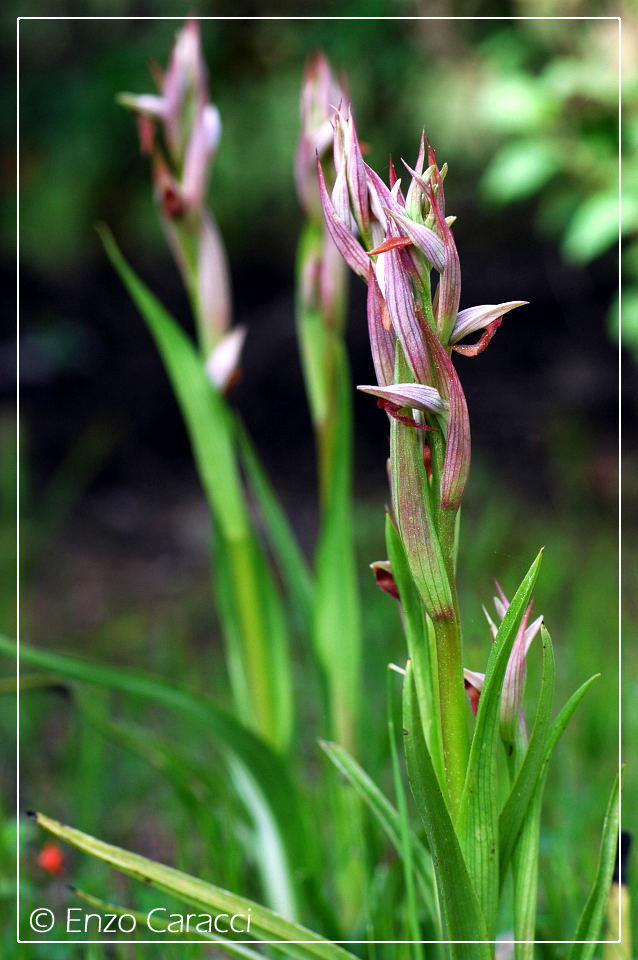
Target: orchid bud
321,96
511,719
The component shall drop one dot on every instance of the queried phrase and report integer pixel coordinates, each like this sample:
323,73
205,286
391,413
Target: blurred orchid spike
222,366
185,88
511,718
321,97
181,169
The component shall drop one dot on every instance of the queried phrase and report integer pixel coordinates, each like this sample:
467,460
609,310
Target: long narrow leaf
462,916
526,781
478,814
265,924
510,814
590,923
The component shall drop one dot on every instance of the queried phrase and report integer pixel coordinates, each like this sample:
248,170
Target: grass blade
266,768
478,815
462,917
386,815
590,923
265,924
510,814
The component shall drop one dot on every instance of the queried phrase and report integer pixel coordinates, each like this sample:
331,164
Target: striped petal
417,396
382,339
422,237
347,245
473,319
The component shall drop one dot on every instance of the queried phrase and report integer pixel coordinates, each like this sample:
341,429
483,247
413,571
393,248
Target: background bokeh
115,533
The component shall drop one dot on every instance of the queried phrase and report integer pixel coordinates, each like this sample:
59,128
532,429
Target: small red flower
51,859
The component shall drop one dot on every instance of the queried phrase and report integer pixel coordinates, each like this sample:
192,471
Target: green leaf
461,913
421,648
478,814
264,924
270,794
593,228
279,533
204,410
519,169
515,808
590,923
386,815
534,774
525,856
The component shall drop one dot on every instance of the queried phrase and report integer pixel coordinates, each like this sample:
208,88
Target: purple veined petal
382,340
514,683
456,463
349,248
223,361
473,319
356,173
341,200
376,184
450,282
422,237
417,396
401,307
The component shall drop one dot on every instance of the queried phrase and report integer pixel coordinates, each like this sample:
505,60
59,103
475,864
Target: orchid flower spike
321,97
181,166
191,124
